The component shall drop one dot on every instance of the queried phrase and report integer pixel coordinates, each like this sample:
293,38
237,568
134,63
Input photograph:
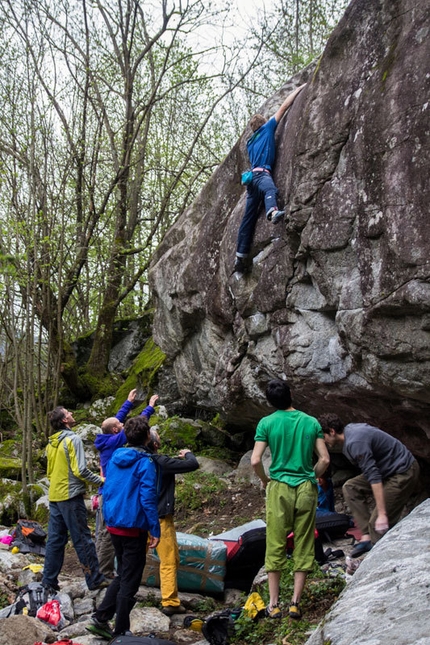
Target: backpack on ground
32,596
30,537
218,627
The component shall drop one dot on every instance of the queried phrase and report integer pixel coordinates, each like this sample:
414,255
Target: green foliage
92,178
11,505
206,605
221,453
196,488
218,421
7,424
320,592
4,600
151,600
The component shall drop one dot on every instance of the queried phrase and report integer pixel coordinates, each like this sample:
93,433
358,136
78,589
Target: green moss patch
142,375
177,433
10,448
10,467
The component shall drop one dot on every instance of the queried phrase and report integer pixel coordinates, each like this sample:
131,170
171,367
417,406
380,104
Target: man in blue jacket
167,550
113,437
261,151
130,508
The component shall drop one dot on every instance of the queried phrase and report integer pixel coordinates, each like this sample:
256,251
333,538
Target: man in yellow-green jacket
67,473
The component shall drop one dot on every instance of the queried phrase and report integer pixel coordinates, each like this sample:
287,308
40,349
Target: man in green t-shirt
291,502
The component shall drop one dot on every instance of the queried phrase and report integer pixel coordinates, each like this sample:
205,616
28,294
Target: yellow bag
255,606
194,623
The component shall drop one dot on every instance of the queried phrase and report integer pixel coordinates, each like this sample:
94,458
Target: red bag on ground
50,613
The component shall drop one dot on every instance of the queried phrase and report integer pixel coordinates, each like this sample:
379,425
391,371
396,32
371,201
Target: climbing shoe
100,629
361,548
241,265
276,216
273,612
294,611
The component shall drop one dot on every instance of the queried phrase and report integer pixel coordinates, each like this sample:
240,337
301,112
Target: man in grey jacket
167,550
389,472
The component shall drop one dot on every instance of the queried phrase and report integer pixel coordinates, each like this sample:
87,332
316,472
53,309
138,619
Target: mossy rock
142,376
87,432
100,387
177,433
10,448
41,512
10,467
13,502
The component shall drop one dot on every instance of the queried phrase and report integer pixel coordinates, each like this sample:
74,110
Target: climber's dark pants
262,188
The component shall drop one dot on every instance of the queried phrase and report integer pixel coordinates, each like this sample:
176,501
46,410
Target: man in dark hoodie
130,507
113,437
167,549
67,472
390,474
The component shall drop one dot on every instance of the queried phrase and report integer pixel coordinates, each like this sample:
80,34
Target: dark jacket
377,454
171,466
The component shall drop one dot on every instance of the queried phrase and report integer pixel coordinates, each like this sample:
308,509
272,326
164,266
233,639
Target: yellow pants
168,552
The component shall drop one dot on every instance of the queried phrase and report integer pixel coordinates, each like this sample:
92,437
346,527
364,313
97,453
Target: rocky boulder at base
387,599
338,298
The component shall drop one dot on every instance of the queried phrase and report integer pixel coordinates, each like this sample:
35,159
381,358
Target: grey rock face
129,339
337,301
387,600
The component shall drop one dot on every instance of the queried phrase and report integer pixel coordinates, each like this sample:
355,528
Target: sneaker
294,611
361,548
100,629
52,589
272,612
170,610
101,585
241,265
276,216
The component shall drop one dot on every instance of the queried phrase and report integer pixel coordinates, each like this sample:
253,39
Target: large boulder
25,631
338,300
387,600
